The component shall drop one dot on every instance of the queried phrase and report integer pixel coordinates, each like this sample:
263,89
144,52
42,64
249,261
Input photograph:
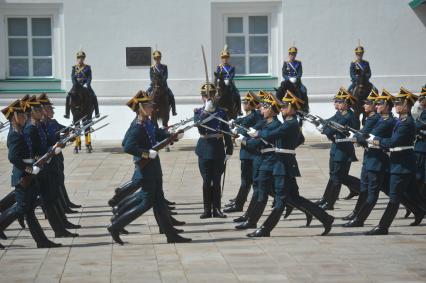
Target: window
247,38
29,47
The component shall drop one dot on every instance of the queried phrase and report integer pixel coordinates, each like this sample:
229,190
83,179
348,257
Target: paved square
218,253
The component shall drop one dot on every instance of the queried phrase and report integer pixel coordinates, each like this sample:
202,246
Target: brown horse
226,99
81,105
161,99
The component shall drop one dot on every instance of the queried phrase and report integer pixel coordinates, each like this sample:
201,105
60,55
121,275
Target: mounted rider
292,78
161,70
360,71
227,72
81,76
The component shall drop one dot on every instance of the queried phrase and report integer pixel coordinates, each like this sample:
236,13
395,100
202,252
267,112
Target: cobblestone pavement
218,253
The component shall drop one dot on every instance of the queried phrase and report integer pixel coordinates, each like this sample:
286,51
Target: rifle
238,126
317,120
162,144
27,180
71,125
174,127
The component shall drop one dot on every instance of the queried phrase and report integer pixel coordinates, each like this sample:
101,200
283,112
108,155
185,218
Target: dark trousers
211,171
246,182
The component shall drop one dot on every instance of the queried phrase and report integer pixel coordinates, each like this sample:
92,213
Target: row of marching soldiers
38,177
394,158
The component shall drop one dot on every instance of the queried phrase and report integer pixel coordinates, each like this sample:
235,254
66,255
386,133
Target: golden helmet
292,49
292,100
156,54
211,89
81,54
359,49
141,97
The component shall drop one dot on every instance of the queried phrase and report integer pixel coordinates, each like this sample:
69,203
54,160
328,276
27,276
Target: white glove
370,138
293,80
234,131
231,123
351,135
85,85
209,107
152,154
252,133
36,170
320,128
58,150
226,82
240,139
180,136
227,157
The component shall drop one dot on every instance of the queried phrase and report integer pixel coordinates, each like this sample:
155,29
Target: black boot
249,210
269,224
37,232
7,218
288,211
64,194
326,193
332,197
217,197
361,216
170,202
126,204
64,219
386,220
353,184
21,221
309,207
55,222
7,201
125,219
207,201
414,207
254,216
165,224
407,213
3,236
67,107
124,190
1,247
176,222
359,203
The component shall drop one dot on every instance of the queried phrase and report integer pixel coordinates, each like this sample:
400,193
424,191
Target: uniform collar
403,117
371,114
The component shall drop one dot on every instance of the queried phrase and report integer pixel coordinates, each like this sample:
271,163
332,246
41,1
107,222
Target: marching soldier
264,175
138,141
52,128
213,149
26,194
359,70
292,78
376,160
286,170
250,103
402,163
227,72
372,117
81,76
160,70
420,145
342,152
38,144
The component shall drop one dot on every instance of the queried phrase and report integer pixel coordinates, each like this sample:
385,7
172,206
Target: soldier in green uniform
402,163
286,169
265,168
252,117
213,149
342,152
372,117
139,141
376,160
20,157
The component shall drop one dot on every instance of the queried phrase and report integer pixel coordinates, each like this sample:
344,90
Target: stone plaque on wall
138,56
